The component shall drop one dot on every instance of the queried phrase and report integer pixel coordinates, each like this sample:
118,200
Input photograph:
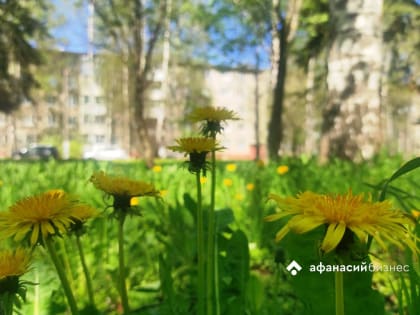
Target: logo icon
293,268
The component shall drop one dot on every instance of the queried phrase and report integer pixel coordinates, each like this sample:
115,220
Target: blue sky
72,33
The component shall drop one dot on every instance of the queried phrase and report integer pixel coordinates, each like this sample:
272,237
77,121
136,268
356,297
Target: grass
160,245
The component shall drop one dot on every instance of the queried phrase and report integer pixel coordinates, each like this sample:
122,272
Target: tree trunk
283,31
145,142
275,127
351,126
163,104
310,134
142,56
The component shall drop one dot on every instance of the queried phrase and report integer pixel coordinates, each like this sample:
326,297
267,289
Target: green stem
62,275
121,264
200,250
85,271
7,301
36,293
63,253
339,293
211,281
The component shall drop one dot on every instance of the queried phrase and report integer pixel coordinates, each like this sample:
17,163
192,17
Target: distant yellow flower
250,186
282,169
340,213
134,201
415,213
231,167
157,168
203,180
42,216
122,187
212,119
197,149
163,193
228,182
14,263
210,113
1,183
195,145
239,197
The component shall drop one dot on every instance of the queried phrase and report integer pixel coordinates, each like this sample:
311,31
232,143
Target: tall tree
19,25
284,25
258,23
131,29
351,126
309,52
401,64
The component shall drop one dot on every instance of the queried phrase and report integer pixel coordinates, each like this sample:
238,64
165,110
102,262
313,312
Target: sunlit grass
160,250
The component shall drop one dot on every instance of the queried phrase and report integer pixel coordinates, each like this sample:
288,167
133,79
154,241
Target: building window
73,99
99,100
100,119
51,120
50,99
87,119
86,99
72,120
99,138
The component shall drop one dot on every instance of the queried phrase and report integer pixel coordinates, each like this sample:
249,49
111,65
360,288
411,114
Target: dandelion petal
333,237
280,234
301,224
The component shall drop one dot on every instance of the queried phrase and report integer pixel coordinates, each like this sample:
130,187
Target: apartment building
76,112
73,110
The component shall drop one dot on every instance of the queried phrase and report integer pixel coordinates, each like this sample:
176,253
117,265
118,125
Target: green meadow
160,241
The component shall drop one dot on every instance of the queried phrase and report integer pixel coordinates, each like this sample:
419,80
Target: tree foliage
131,30
401,38
19,26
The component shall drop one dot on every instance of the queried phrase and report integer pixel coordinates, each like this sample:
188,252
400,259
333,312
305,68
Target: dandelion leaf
234,268
316,290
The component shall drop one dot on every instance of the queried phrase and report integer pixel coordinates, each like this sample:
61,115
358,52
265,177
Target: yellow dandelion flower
42,216
210,113
228,182
239,197
85,212
282,169
231,167
250,186
340,213
157,168
195,145
415,213
197,149
212,119
203,180
163,193
122,187
14,263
